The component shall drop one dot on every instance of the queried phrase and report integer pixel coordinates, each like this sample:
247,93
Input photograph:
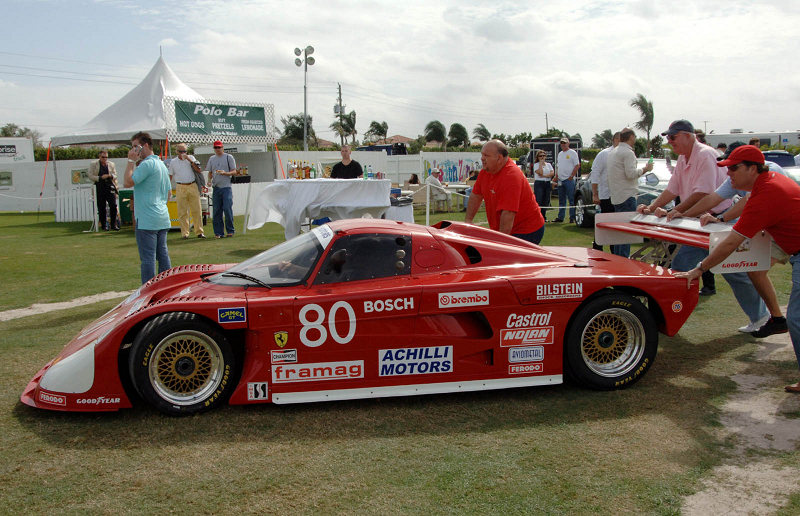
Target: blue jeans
533,238
793,310
223,204
152,244
745,293
628,205
465,200
542,191
566,193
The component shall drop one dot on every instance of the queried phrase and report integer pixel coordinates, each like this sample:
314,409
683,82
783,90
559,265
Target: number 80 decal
317,324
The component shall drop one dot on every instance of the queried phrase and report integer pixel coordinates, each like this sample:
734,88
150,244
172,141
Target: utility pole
705,125
341,112
546,125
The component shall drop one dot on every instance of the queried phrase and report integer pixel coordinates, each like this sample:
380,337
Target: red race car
370,308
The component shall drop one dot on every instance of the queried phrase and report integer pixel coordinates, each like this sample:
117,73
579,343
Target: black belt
186,183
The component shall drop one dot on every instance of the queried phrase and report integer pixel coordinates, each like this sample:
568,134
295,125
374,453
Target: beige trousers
187,198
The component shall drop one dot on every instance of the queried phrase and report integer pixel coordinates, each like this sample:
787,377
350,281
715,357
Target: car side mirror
651,179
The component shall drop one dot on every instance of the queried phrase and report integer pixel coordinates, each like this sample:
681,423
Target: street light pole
305,62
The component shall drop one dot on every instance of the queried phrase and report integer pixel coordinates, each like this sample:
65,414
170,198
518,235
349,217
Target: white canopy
140,110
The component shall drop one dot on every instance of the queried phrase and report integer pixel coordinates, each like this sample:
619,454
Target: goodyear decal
257,391
405,361
281,338
231,315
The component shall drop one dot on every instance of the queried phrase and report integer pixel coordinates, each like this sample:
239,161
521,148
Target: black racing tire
181,364
611,342
583,219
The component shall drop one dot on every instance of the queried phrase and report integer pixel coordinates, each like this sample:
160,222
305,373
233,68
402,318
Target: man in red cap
768,190
221,166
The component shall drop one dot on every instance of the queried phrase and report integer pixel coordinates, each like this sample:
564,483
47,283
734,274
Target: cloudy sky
721,64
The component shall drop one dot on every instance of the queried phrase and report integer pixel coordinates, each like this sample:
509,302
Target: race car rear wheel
181,364
583,219
611,342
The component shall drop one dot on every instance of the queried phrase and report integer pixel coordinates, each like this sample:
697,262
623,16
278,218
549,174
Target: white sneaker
753,326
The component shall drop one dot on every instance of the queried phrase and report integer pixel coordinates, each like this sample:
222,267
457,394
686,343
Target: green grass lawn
555,450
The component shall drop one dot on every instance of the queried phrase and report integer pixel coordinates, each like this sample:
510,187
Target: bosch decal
535,367
100,400
405,361
287,356
281,338
470,298
526,354
389,305
231,315
257,391
53,399
559,291
526,336
320,371
527,320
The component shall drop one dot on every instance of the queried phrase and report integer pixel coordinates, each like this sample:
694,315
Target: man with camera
183,170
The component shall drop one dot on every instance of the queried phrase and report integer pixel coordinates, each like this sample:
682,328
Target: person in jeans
567,166
768,189
543,174
623,179
151,191
221,166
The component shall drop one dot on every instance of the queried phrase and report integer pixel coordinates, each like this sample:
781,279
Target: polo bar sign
219,119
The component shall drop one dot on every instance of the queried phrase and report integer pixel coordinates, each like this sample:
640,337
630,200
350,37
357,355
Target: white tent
140,110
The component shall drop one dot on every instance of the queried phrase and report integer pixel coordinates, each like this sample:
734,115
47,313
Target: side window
366,256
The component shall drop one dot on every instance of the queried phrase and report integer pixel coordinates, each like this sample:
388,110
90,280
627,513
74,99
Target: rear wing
659,237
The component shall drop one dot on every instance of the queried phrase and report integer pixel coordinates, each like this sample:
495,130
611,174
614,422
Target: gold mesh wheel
186,367
612,342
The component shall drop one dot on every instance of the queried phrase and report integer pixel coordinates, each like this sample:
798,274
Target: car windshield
288,263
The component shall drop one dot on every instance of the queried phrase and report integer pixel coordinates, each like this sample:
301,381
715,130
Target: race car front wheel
181,364
611,342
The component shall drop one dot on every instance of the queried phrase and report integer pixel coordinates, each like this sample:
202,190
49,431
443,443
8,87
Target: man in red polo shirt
773,206
510,205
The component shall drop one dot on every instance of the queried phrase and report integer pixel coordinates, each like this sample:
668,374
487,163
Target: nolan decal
257,391
527,320
281,338
100,400
535,367
526,354
287,356
53,399
389,305
405,361
231,315
559,291
526,336
471,298
291,373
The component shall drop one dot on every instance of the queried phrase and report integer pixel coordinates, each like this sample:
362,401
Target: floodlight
297,51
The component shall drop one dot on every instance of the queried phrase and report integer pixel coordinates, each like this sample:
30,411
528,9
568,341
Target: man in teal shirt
151,191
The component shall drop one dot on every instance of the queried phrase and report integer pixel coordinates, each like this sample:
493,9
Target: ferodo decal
527,320
314,332
287,356
405,361
677,306
469,298
100,400
389,305
559,291
52,399
281,338
231,315
535,367
526,336
290,373
526,354
257,391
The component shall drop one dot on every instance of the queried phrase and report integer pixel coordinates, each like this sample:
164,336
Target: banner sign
221,120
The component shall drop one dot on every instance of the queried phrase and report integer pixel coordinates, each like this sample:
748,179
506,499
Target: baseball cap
730,149
743,153
217,143
679,126
565,140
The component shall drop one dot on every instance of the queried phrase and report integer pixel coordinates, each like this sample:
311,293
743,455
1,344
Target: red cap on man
217,143
743,153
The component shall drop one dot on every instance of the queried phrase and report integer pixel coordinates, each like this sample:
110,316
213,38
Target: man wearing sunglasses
104,175
187,192
768,190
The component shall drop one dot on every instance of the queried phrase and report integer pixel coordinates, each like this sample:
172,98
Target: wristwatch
721,218
700,266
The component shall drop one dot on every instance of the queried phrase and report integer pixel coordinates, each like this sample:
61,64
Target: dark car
781,157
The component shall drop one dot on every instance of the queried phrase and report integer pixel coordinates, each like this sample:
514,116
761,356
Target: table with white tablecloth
290,202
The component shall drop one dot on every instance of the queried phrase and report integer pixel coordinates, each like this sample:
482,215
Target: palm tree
377,129
293,128
645,108
339,129
603,139
481,133
435,131
458,136
349,125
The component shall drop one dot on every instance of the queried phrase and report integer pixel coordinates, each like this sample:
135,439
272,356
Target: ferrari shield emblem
281,338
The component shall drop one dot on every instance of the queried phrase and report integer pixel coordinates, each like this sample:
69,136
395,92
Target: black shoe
572,221
558,220
705,291
773,326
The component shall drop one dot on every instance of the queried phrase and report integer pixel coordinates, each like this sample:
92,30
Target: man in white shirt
567,166
187,191
599,177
